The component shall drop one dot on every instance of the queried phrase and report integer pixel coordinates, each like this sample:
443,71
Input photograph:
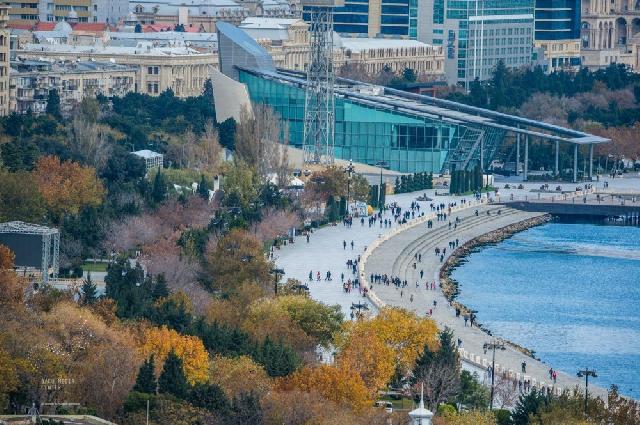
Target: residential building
410,132
180,68
375,18
557,33
610,33
4,60
31,81
477,34
109,11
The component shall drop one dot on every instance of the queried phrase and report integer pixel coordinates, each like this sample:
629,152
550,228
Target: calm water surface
571,292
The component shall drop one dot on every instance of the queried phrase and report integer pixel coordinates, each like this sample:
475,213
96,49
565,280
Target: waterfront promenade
396,257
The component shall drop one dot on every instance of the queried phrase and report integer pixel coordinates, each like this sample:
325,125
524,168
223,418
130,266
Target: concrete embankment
396,256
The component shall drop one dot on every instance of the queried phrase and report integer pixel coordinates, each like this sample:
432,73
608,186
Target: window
149,70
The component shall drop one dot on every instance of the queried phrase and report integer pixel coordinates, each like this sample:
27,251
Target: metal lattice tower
319,116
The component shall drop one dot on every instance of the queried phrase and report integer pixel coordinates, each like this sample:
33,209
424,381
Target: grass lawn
94,267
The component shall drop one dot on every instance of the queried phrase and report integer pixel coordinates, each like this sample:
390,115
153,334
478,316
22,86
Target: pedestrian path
396,257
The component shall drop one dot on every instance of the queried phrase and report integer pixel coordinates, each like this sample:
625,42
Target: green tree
529,404
138,28
160,289
210,397
53,104
277,358
159,188
89,290
172,379
203,188
245,410
472,393
146,379
409,75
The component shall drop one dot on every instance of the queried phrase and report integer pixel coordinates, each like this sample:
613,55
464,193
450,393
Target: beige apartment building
32,11
4,61
179,68
287,40
31,81
610,33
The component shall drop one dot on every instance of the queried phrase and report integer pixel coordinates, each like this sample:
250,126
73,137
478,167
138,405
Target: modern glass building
477,34
380,18
557,20
410,132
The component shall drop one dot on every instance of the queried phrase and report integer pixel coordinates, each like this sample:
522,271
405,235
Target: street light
350,169
493,346
586,373
381,164
276,273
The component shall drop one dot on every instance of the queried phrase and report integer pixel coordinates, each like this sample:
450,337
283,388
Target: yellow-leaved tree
476,417
336,383
236,375
376,347
161,341
68,186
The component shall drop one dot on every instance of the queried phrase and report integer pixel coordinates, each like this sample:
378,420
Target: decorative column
575,163
421,416
591,161
557,156
526,156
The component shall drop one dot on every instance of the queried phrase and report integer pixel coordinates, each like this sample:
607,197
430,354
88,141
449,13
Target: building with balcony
4,60
31,81
180,68
610,33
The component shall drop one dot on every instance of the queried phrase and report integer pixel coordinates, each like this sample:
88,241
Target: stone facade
610,33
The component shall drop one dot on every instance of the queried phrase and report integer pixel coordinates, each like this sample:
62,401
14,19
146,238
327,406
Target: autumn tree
11,286
476,417
67,187
172,380
336,383
230,373
237,258
240,185
161,341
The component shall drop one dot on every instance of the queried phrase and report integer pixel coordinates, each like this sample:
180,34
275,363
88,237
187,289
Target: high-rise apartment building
4,61
32,11
376,18
557,34
477,34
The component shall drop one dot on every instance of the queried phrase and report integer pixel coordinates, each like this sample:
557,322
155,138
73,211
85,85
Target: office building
557,33
476,34
410,132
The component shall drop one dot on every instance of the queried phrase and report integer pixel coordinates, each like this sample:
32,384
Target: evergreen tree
203,188
278,359
160,289
89,290
146,379
53,104
207,92
527,405
159,189
138,28
172,379
210,397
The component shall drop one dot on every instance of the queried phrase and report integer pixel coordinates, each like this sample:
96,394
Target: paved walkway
395,257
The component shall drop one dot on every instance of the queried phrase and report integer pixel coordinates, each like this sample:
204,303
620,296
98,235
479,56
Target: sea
568,291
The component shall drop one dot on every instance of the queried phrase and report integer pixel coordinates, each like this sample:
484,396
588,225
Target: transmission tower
319,116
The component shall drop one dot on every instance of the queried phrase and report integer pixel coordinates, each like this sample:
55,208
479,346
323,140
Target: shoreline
450,287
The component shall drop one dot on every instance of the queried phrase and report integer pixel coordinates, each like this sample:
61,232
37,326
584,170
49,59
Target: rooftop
360,44
147,154
26,228
267,23
142,48
434,108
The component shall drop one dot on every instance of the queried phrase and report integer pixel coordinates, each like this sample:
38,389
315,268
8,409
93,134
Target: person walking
344,244
311,276
307,237
524,367
352,244
318,276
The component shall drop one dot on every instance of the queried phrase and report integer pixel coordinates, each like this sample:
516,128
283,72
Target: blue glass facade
557,20
365,133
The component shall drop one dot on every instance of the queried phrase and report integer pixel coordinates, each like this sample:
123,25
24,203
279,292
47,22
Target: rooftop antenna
319,116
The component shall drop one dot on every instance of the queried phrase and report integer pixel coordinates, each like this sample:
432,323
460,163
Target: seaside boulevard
324,252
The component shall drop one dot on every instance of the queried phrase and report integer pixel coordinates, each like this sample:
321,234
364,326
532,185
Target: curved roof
237,48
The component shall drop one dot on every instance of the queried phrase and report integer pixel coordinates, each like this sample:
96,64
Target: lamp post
276,273
350,169
493,346
381,164
586,373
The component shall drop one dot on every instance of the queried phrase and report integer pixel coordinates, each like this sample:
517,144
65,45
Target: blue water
570,292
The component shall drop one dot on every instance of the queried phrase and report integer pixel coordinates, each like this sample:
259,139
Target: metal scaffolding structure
50,245
319,117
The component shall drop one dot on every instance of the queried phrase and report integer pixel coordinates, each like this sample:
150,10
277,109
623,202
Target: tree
438,370
20,198
162,341
237,258
210,397
277,358
472,393
159,188
172,379
146,379
230,374
11,286
138,28
528,404
245,410
409,75
89,290
335,383
67,187
203,188
53,104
